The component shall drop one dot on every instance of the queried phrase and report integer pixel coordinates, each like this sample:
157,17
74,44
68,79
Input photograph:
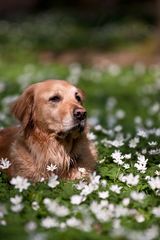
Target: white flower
103,195
93,121
53,207
20,183
139,218
120,114
137,196
111,103
103,183
49,222
115,188
157,173
114,69
154,108
61,211
104,203
127,156
154,151
3,222
103,211
91,136
116,224
52,183
2,86
102,161
120,211
154,182
117,157
3,210
17,208
17,205
149,122
80,185
118,128
30,226
138,120
126,201
141,163
92,186
152,143
126,166
62,225
73,222
157,132
4,163
51,167
35,206
88,189
77,199
147,177
130,179
133,142
95,179
156,211
16,200
144,151
98,128
118,142
142,133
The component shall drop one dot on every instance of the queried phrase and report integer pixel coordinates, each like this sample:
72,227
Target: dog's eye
55,99
78,98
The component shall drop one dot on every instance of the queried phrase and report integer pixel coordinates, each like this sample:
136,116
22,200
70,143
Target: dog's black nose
79,114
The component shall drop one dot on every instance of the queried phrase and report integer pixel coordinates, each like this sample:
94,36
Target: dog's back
7,136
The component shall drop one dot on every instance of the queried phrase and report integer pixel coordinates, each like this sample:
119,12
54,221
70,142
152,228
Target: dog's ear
22,108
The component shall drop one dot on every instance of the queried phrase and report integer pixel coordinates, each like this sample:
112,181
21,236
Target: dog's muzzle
79,123
79,114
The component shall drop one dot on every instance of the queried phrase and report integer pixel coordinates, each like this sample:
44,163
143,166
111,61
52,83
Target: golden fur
53,131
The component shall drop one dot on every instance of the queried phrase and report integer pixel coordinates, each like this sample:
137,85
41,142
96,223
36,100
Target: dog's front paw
79,173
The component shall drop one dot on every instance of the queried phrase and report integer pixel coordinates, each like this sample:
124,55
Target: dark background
103,10
93,27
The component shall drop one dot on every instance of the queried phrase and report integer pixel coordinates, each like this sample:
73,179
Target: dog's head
53,106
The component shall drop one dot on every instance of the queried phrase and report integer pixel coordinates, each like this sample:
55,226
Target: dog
52,131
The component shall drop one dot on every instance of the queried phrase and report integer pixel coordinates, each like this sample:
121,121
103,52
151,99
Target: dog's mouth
77,127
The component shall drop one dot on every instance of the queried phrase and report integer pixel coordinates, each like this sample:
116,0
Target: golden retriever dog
53,131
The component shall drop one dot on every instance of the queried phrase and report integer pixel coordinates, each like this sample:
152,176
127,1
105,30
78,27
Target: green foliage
59,32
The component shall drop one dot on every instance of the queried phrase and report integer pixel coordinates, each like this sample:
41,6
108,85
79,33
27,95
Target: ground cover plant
122,199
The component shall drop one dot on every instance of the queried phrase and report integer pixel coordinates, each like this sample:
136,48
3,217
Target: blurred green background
90,32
